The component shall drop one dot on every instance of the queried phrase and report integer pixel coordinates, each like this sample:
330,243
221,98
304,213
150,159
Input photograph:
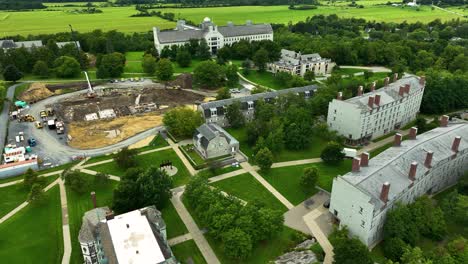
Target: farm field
118,18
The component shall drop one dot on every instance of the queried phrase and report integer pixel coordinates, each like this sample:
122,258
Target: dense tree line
238,227
21,4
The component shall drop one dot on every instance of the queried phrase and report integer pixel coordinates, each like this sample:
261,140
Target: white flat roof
133,239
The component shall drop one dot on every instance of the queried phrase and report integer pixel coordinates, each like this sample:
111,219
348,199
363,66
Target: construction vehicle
49,111
60,127
91,93
27,118
32,142
38,125
51,124
43,115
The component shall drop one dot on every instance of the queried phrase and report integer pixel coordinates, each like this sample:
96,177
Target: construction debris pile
36,92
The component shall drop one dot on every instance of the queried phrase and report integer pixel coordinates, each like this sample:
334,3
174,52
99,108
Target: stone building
296,63
378,112
135,237
215,36
214,112
423,164
212,141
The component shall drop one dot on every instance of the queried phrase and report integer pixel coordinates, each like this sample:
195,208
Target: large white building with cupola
423,164
215,36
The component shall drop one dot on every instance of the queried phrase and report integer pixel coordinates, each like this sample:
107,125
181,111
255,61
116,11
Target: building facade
215,112
11,44
215,36
379,112
423,164
211,141
135,237
296,63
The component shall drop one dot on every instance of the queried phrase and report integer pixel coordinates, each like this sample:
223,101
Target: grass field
147,160
287,179
34,235
78,204
118,18
264,79
188,250
247,188
175,226
14,195
312,151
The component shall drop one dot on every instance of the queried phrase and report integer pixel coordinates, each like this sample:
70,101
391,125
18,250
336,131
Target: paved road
51,147
4,114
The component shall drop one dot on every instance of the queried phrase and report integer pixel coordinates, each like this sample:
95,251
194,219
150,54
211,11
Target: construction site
85,119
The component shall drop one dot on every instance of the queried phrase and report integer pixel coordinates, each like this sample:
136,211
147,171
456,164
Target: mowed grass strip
78,204
34,234
14,195
287,179
152,159
186,251
175,226
247,188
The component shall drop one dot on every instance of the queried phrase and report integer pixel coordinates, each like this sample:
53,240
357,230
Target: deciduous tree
332,153
164,70
264,159
149,64
182,121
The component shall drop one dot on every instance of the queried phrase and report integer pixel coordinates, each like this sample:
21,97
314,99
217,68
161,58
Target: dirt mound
36,92
183,81
97,134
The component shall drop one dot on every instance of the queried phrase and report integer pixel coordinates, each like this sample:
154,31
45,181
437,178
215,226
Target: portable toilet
21,104
28,149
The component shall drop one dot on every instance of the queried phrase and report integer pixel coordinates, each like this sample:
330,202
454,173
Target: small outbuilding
211,141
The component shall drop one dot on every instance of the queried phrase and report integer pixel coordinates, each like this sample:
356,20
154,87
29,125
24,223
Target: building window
360,210
363,224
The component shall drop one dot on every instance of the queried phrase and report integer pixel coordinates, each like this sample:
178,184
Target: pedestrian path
295,162
180,239
179,153
265,184
65,226
227,175
193,229
6,184
91,172
310,220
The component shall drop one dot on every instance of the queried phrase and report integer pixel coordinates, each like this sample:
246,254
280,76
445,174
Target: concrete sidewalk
295,162
6,184
180,239
310,220
179,153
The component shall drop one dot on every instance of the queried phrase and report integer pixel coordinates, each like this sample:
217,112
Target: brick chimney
372,88
397,140
407,88
356,165
456,143
444,120
428,161
413,132
109,215
412,171
339,96
377,99
386,81
360,90
384,192
370,103
401,92
395,76
364,159
93,199
422,80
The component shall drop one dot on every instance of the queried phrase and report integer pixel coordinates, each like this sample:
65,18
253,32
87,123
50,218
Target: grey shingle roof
206,132
255,97
170,36
393,164
243,30
90,222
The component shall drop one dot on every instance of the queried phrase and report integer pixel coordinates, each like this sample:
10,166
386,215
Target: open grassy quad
312,151
48,22
247,188
78,204
14,195
287,179
188,250
265,78
152,159
34,234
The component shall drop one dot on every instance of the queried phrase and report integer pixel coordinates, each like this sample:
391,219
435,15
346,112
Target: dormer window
214,112
250,105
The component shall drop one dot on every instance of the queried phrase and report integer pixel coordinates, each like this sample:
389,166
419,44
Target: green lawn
175,226
348,71
14,195
188,250
210,173
20,89
190,68
188,150
265,251
134,55
247,188
287,179
264,79
312,151
133,67
78,204
147,160
34,235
